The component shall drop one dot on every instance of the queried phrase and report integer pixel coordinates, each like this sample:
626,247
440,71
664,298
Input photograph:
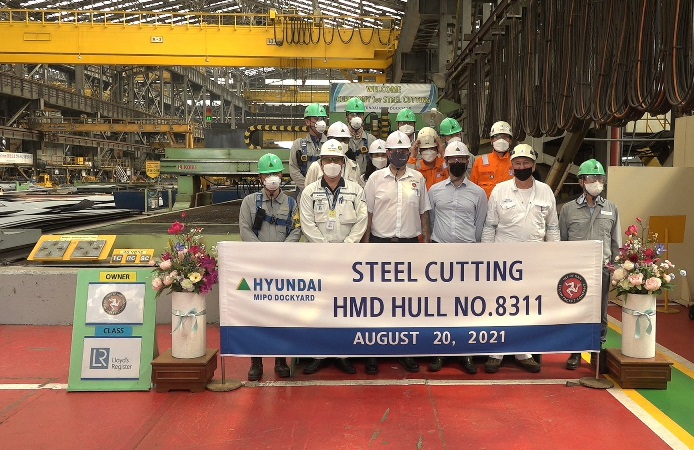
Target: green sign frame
113,331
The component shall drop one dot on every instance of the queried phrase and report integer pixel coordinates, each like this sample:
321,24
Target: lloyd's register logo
282,289
99,357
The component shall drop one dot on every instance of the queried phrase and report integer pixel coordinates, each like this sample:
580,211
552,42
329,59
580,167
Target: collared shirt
497,169
513,216
578,223
432,174
338,216
279,208
315,172
396,205
457,213
312,150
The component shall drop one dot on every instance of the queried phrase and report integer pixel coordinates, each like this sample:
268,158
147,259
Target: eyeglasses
332,159
594,178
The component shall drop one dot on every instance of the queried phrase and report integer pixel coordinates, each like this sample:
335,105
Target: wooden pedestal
638,373
193,374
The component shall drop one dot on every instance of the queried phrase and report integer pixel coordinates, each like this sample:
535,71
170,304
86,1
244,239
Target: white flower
667,278
628,265
619,274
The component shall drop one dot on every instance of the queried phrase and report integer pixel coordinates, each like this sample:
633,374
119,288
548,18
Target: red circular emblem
572,288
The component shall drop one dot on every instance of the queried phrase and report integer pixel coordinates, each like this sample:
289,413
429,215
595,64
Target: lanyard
333,197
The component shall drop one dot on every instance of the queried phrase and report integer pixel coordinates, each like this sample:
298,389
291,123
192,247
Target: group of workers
420,187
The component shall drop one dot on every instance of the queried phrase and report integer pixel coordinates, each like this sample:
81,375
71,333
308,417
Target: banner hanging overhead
418,97
20,159
404,299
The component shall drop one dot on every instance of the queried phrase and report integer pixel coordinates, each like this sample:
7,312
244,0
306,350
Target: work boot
410,365
281,368
529,364
255,373
313,367
468,365
345,365
436,364
371,367
574,361
492,365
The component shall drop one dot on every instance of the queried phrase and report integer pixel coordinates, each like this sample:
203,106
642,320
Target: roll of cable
679,71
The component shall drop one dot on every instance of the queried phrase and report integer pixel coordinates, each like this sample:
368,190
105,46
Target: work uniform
491,169
396,205
298,168
338,216
457,213
579,222
277,208
351,172
356,144
432,174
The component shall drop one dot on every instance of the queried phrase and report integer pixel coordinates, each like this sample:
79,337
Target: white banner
409,299
22,159
418,97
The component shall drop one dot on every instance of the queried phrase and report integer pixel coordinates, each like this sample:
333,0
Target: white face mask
379,162
345,147
407,129
500,145
594,188
272,183
320,126
332,170
429,155
356,122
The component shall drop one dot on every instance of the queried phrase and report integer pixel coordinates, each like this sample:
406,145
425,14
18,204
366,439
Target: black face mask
457,169
523,174
350,154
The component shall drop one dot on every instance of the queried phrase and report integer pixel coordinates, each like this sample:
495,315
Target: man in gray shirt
592,217
458,211
269,216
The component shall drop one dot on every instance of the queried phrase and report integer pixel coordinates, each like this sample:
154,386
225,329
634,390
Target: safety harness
304,157
272,220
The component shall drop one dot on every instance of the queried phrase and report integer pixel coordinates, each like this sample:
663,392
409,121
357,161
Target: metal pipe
629,139
615,146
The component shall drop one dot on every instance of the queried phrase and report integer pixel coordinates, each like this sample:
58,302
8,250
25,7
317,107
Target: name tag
606,213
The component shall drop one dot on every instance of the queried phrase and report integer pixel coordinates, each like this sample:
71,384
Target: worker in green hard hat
360,140
305,150
269,215
406,122
451,131
592,217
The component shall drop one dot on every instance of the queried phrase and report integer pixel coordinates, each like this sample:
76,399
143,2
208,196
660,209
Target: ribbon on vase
194,313
640,315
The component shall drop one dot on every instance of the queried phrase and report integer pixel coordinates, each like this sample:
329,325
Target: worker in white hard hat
333,209
340,133
492,168
398,206
521,209
458,211
426,156
376,160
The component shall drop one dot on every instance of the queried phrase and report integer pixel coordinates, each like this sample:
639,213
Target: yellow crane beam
286,96
188,39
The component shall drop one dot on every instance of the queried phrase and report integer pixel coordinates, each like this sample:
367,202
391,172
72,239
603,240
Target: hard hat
405,115
426,141
338,129
427,131
449,126
314,110
398,139
377,146
501,128
270,163
331,147
523,150
456,148
355,105
591,167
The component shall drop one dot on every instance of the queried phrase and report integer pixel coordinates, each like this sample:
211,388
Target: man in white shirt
521,209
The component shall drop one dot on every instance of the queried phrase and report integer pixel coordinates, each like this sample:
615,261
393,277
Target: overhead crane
196,39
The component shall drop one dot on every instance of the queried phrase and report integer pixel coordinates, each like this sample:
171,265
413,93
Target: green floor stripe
675,401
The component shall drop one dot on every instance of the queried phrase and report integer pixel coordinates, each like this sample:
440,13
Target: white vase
188,325
638,326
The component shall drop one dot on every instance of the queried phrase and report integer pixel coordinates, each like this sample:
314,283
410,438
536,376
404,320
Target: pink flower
638,219
631,231
165,265
636,279
652,284
176,228
157,284
168,280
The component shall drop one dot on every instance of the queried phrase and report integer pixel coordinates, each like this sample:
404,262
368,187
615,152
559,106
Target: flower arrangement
639,267
186,265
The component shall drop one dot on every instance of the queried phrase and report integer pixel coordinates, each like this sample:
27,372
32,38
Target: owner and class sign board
113,331
398,300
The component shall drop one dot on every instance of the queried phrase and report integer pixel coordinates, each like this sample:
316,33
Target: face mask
429,155
272,183
523,174
398,160
407,129
379,162
457,169
594,189
320,126
356,122
332,170
500,146
345,147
